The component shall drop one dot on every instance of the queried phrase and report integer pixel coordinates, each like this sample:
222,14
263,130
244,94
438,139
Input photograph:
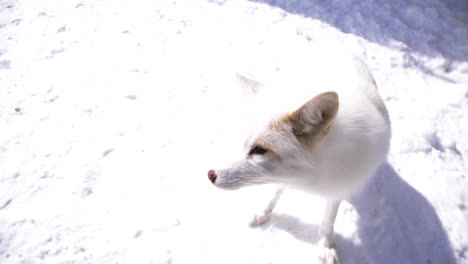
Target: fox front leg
263,217
328,254
328,222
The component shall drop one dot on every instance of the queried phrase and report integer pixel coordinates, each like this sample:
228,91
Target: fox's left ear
314,118
250,86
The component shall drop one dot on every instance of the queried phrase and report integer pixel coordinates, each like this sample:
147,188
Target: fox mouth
235,184
230,183
229,186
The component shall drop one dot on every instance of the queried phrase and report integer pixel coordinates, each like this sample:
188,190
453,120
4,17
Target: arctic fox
321,131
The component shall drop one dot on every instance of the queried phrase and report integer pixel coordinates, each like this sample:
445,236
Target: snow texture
112,112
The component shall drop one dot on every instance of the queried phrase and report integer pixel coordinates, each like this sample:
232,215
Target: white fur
338,165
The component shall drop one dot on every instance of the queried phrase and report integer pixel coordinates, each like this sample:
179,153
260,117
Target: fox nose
212,176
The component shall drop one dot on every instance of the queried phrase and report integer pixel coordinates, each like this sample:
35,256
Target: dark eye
257,151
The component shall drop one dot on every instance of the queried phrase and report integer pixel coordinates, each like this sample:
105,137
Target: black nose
212,176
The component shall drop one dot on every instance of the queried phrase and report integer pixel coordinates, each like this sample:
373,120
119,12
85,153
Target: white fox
318,130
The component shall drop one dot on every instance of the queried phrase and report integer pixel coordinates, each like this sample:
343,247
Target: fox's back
359,138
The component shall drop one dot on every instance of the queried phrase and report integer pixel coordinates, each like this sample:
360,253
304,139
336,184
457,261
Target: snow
112,112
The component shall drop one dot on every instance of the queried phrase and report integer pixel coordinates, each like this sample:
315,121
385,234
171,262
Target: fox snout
212,176
239,174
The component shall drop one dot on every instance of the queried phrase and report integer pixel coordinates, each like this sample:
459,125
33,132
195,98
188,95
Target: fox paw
328,256
260,219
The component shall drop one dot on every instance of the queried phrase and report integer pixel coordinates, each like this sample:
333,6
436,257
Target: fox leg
263,217
328,254
328,221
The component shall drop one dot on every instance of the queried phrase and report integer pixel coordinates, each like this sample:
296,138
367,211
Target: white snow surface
112,112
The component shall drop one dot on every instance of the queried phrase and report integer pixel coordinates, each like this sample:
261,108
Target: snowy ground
112,112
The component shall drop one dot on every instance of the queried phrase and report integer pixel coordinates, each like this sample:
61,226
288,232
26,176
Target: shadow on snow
431,28
397,224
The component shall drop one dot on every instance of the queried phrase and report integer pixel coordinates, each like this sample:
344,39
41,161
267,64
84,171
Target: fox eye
257,151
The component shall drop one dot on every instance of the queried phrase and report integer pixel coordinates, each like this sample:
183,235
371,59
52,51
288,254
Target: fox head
283,148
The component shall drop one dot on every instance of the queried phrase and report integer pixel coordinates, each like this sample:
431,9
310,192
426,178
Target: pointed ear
250,86
311,121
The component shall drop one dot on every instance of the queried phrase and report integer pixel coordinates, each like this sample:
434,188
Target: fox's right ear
311,121
250,86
